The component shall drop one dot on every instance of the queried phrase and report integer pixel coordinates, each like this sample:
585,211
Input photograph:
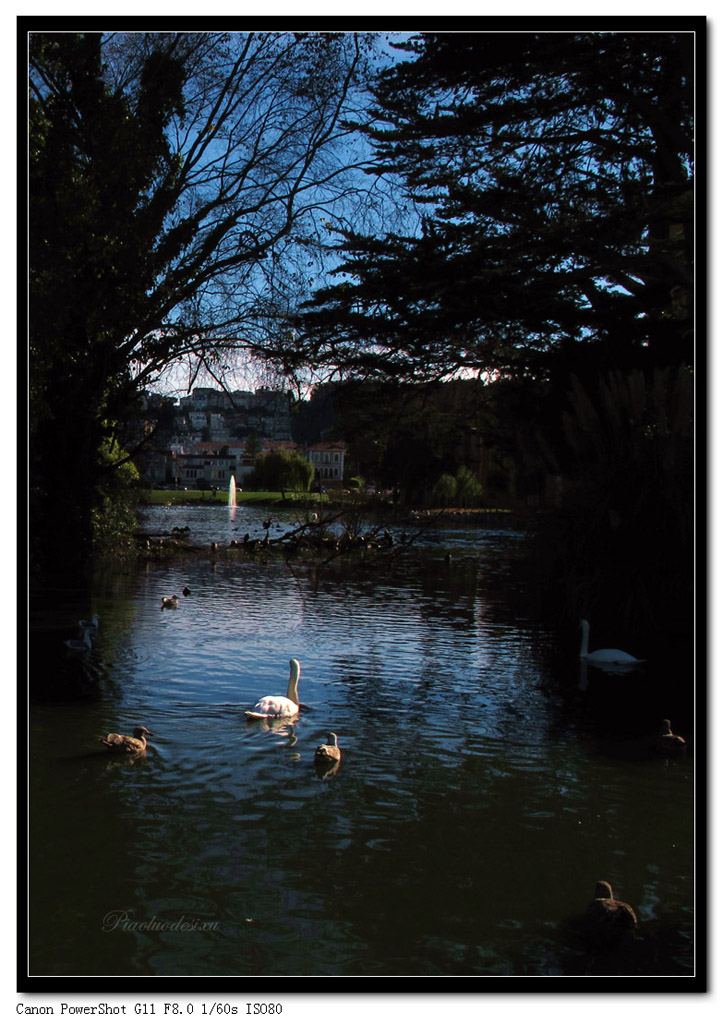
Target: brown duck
135,744
608,920
328,753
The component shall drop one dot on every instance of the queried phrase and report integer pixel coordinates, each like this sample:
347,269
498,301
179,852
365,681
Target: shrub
445,490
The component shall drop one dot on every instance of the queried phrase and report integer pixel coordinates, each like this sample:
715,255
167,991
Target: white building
328,459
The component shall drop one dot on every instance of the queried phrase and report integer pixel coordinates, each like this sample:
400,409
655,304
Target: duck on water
135,744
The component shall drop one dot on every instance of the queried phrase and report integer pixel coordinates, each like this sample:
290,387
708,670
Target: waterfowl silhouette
185,591
81,645
281,707
135,744
609,921
327,753
169,602
668,743
606,656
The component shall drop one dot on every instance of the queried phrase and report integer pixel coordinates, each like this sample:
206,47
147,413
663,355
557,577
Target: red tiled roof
327,446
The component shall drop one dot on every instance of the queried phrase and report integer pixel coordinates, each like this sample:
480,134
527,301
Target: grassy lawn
221,498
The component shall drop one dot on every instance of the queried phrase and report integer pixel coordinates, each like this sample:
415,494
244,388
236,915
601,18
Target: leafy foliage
113,517
281,470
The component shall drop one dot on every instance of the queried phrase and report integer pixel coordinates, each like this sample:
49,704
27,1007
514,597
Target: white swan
82,646
606,656
92,625
281,707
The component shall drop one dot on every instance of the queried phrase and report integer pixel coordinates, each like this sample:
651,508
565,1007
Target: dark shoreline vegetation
364,525
364,529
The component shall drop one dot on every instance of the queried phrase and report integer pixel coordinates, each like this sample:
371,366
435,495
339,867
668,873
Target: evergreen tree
555,175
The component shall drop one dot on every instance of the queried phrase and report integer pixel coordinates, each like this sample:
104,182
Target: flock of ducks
607,921
326,754
668,743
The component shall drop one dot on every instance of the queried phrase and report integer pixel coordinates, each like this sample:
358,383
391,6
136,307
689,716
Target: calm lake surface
483,790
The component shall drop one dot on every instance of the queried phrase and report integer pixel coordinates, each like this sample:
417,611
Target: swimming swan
281,707
606,655
328,753
135,744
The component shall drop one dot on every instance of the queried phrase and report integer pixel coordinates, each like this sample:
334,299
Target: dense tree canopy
554,175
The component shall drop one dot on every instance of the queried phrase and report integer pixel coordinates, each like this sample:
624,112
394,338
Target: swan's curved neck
293,692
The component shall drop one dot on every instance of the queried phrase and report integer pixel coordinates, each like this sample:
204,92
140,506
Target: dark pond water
478,800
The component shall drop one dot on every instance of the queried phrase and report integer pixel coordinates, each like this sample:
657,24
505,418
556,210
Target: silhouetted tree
554,171
170,174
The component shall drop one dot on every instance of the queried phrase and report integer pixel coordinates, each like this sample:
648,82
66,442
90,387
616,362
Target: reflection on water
468,821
